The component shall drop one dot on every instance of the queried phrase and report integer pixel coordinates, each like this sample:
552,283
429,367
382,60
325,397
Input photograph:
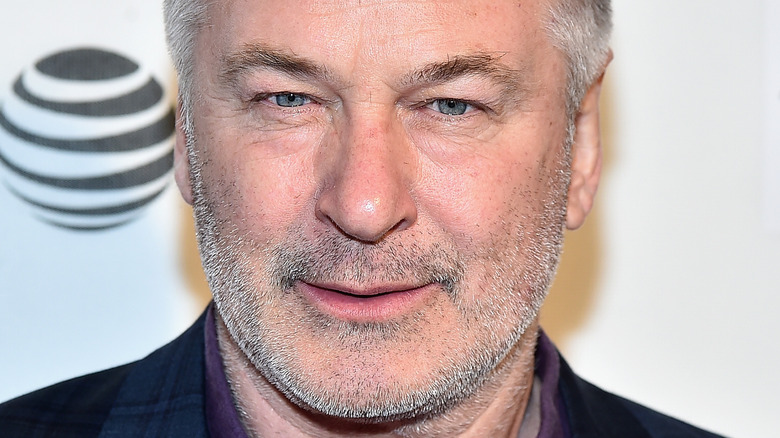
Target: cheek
473,203
257,192
481,192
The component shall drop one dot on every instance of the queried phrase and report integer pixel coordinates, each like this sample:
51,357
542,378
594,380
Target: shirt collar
547,367
221,414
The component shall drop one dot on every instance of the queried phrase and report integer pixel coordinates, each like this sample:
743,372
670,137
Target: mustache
334,258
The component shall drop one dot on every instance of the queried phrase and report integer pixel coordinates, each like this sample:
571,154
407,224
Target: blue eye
450,107
290,100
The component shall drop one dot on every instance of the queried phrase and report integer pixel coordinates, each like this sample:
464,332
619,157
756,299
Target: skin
423,243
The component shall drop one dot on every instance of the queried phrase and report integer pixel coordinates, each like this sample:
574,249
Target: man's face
380,190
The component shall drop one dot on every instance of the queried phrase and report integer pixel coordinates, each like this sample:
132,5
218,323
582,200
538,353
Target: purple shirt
221,415
547,367
223,420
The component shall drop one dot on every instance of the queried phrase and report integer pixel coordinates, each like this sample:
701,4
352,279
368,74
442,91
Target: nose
367,181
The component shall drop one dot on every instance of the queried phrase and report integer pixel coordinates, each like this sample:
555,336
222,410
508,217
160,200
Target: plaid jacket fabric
158,396
162,396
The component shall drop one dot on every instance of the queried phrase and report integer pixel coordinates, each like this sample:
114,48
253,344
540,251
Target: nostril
366,218
365,189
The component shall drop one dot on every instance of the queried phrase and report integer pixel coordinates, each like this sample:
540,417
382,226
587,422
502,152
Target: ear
181,165
586,158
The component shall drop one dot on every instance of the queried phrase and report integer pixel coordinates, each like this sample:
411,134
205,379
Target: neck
496,410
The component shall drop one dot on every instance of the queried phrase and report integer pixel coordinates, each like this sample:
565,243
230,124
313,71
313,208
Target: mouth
378,303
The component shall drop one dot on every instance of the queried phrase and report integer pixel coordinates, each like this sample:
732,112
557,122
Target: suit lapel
163,394
594,413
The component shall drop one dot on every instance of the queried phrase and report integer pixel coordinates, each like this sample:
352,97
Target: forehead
381,33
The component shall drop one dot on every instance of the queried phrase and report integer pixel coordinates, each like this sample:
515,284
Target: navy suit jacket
162,395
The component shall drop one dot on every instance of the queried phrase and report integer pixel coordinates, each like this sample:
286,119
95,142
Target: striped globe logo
86,139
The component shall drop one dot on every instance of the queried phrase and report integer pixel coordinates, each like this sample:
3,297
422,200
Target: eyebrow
252,57
481,64
256,56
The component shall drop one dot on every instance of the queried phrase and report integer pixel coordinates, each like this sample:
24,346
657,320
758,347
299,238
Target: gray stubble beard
240,296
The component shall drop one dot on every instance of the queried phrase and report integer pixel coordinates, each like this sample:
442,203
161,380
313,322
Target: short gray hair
579,28
183,20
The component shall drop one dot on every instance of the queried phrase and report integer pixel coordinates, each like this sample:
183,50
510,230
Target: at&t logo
86,139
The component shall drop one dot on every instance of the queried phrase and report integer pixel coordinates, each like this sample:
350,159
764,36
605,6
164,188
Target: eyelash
474,108
471,105
266,96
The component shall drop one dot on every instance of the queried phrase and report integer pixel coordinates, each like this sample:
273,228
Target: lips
373,304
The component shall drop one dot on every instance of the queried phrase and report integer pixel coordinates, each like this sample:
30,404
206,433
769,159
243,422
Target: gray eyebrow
480,65
256,56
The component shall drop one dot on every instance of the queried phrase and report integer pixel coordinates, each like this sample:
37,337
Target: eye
289,100
450,107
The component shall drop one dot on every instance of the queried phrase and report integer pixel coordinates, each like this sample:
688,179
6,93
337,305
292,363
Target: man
380,190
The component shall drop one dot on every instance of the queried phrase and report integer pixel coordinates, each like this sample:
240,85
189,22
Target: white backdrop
668,295
77,301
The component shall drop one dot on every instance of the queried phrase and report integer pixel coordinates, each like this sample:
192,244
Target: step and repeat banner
97,263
